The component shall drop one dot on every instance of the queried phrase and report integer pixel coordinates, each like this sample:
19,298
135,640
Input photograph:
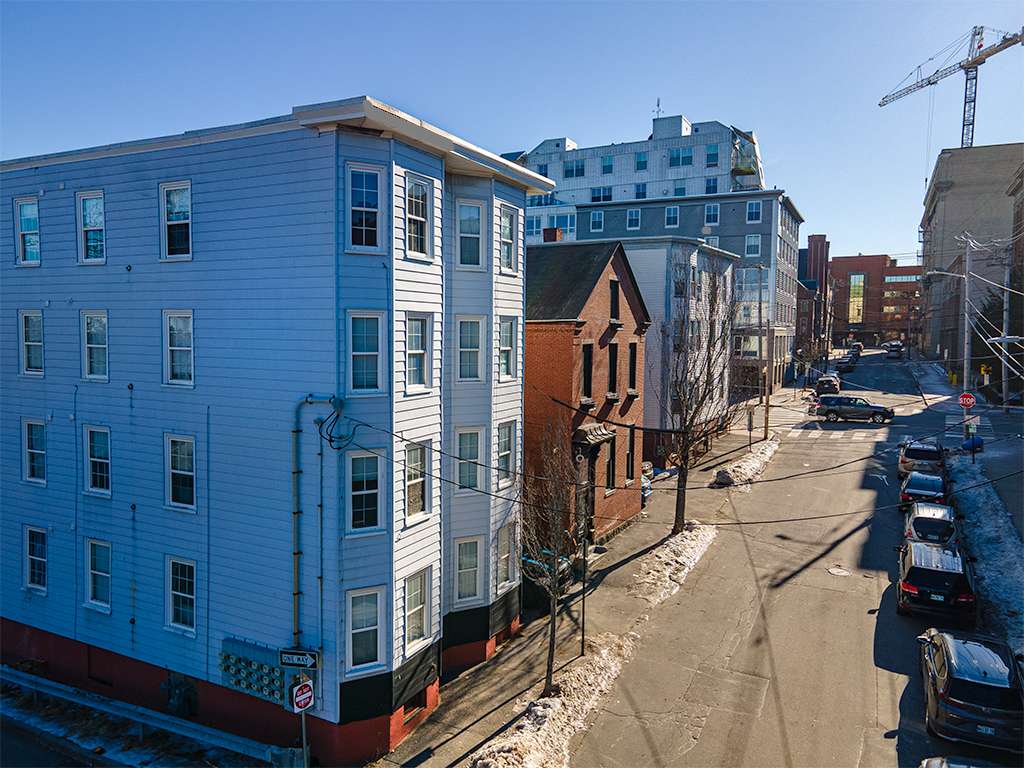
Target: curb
61,745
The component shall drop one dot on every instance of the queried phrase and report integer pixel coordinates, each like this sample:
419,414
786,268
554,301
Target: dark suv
935,580
836,407
972,689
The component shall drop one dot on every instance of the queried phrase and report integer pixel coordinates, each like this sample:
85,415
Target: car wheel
877,418
832,416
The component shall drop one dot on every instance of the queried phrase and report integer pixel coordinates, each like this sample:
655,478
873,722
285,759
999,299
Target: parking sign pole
305,743
966,384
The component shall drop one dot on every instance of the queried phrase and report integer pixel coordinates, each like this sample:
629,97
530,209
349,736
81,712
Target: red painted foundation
459,658
126,679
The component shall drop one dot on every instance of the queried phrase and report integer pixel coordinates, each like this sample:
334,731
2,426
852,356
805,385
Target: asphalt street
783,647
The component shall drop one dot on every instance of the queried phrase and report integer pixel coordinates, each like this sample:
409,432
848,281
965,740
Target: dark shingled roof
560,277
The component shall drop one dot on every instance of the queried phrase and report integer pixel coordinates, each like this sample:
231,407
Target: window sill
411,649
97,494
411,521
94,380
355,251
172,259
363,533
180,508
29,264
470,381
33,590
32,374
504,587
609,491
416,391
37,483
508,272
365,670
612,397
471,267
586,403
366,393
104,609
615,323
175,385
183,631
630,481
467,602
632,393
423,258
507,379
463,493
92,263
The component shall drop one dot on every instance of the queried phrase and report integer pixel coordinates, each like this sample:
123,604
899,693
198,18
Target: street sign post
967,400
301,696
299,658
750,428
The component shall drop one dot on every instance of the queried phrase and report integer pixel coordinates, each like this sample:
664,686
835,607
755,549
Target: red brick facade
890,296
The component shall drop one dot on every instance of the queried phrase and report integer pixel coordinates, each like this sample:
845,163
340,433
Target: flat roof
655,239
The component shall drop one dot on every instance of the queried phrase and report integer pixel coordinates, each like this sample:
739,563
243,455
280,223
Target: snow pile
750,466
663,570
540,738
993,541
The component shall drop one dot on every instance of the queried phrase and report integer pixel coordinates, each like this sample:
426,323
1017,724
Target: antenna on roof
657,109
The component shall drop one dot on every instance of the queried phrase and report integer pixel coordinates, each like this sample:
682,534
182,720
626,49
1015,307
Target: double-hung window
417,604
711,185
176,220
417,217
640,191
752,246
364,208
365,374
181,594
672,216
711,156
470,234
30,322
711,214
415,479
467,569
503,567
97,460
542,169
417,339
632,365
633,218
563,221
753,212
507,348
35,559
364,491
34,442
712,240
630,448
97,563
365,639
469,349
469,458
180,471
597,221
506,452
640,161
573,169
26,223
509,235
679,190
587,377
609,466
91,245
613,367
533,227
606,165
613,300
94,345
600,194
179,353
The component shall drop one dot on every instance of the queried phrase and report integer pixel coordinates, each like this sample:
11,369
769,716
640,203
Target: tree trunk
680,519
552,619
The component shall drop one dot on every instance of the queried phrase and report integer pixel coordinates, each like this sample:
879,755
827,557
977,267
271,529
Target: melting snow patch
749,467
994,542
664,569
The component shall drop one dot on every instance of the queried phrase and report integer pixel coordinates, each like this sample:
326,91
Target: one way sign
298,657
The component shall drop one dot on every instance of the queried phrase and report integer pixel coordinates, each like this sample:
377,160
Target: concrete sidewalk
481,703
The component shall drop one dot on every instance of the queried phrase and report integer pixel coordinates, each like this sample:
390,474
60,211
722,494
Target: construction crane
977,55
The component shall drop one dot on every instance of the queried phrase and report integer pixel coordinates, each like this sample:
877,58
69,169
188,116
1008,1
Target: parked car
846,364
973,689
920,486
827,384
920,456
836,407
934,523
937,581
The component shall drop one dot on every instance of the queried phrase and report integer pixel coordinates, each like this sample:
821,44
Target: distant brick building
875,299
585,327
814,300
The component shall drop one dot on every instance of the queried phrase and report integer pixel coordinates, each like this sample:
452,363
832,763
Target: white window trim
169,624
501,587
479,596
428,356
350,531
85,313
597,216
708,207
382,209
480,454
512,457
416,517
514,269
746,241
24,452
428,255
482,266
707,155
90,602
381,352
671,208
513,358
18,245
22,314
374,666
167,315
38,589
638,219
416,645
481,375
712,240
80,227
87,477
168,437
759,212
164,188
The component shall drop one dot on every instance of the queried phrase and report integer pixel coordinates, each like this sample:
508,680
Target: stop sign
302,695
967,400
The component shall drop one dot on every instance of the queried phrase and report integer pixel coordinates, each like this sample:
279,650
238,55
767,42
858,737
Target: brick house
584,356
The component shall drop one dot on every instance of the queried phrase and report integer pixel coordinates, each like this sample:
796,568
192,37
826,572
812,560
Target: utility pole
769,374
1006,332
760,332
967,324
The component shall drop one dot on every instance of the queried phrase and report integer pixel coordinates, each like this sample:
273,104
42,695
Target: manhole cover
838,570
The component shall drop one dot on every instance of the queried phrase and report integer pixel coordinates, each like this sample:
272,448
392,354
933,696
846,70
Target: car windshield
930,529
924,453
934,581
983,695
925,484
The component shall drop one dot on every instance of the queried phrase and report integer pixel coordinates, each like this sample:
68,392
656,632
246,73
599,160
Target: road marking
814,434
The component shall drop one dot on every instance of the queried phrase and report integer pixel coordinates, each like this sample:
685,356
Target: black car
836,407
827,385
972,688
935,580
918,486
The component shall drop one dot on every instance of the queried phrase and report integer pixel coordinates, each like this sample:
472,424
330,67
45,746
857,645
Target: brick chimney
552,234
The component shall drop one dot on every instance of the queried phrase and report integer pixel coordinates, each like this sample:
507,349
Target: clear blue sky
806,77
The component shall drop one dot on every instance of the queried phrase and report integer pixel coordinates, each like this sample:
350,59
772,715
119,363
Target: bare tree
697,371
547,495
